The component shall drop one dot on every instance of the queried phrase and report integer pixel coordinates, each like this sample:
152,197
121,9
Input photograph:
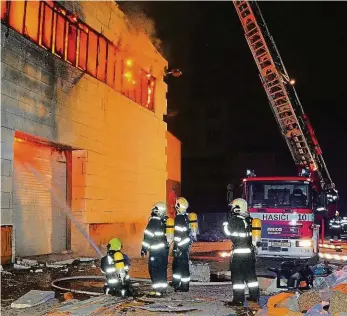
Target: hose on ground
97,277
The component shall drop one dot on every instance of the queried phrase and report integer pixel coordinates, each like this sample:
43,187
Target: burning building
82,104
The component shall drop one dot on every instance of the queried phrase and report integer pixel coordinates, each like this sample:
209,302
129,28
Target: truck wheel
313,260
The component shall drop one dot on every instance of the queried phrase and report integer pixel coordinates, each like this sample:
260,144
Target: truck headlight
304,243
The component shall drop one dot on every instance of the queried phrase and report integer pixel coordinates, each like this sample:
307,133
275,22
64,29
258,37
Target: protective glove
143,252
177,252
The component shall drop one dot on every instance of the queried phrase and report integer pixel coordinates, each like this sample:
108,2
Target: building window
92,53
60,27
31,26
82,51
111,64
51,26
47,26
72,44
102,54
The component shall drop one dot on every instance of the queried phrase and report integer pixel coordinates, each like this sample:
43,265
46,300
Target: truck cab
285,206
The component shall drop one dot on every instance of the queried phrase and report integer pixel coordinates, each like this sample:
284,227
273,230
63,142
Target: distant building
82,105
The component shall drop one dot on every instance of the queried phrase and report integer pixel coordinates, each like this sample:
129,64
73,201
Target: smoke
140,23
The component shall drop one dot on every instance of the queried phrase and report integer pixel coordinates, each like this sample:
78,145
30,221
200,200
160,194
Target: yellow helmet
159,209
181,205
239,206
115,244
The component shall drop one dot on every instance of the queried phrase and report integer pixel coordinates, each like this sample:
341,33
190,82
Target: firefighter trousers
157,267
180,270
242,267
335,232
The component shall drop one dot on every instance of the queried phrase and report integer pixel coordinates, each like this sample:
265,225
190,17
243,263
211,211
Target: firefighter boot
184,287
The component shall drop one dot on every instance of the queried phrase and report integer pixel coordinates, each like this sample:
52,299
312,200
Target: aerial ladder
285,104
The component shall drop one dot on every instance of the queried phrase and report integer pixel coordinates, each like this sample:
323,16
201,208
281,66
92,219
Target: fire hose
95,277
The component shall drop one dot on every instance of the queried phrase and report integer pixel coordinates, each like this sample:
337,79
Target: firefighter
242,264
182,241
156,244
115,265
335,226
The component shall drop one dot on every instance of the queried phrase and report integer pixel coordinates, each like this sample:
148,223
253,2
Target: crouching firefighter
242,263
182,241
116,266
156,243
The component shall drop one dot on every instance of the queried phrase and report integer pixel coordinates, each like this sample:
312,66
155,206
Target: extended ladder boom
284,102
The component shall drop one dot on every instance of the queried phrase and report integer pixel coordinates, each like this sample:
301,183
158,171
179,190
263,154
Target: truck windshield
278,194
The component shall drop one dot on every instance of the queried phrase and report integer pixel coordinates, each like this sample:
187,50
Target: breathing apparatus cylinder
119,261
193,223
256,231
170,225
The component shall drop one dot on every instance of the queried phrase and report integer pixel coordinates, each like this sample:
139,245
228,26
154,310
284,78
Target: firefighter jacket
182,237
335,223
154,235
238,228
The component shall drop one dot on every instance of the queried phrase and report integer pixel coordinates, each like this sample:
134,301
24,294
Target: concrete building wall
118,146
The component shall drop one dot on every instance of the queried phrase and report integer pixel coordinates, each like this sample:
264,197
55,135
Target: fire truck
290,208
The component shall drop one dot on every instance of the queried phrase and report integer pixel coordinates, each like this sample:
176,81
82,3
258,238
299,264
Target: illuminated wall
112,124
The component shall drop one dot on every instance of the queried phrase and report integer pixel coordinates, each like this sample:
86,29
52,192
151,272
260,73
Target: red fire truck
289,207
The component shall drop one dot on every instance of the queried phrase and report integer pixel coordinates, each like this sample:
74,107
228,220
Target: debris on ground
28,262
54,266
272,288
167,308
308,299
33,298
328,297
21,267
87,307
38,270
68,296
87,259
64,262
338,303
4,271
200,272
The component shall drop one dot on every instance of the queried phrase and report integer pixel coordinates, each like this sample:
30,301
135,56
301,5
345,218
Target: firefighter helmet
115,244
181,205
159,209
239,206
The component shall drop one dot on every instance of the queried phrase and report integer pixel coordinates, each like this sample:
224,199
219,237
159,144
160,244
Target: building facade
82,104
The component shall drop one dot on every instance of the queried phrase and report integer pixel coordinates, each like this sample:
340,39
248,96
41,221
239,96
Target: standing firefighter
182,241
156,243
335,226
242,264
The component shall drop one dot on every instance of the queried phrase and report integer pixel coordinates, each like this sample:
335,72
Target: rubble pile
327,297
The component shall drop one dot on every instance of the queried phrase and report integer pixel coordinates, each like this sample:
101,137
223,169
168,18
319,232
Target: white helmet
239,206
181,205
159,209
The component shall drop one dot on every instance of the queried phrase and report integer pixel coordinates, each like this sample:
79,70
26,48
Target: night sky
205,40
